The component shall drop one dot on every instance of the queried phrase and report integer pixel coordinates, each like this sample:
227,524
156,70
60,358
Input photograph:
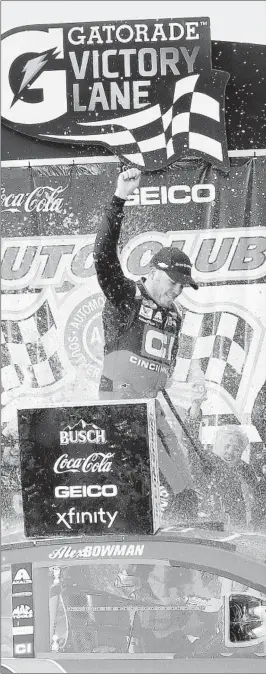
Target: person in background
10,481
231,483
258,416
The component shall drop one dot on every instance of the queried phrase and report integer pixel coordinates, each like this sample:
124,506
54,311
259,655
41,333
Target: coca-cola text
94,463
41,199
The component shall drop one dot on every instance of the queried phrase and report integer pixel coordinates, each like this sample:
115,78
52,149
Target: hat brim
183,279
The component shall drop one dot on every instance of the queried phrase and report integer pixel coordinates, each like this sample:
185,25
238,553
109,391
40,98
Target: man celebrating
141,322
141,326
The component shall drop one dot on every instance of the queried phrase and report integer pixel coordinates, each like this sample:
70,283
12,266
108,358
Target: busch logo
94,463
82,433
42,199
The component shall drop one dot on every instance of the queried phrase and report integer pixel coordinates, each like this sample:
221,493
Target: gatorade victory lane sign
145,90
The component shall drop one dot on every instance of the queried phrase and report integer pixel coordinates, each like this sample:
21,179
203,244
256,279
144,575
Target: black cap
176,264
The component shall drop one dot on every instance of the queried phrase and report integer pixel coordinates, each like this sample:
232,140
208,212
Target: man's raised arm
116,287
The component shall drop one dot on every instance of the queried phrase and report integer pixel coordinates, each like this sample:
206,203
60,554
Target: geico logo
84,491
176,194
23,649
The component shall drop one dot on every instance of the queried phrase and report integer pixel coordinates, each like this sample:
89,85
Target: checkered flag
194,124
219,343
30,350
195,121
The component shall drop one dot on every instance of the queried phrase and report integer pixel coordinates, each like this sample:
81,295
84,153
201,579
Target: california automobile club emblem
82,332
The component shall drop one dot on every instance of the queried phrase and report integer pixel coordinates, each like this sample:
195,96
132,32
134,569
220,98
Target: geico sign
85,491
231,254
175,194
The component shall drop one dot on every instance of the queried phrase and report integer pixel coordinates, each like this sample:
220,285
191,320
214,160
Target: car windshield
133,608
155,607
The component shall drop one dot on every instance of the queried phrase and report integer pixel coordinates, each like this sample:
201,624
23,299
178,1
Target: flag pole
196,445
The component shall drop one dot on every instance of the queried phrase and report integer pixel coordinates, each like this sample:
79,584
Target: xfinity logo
203,193
73,516
82,433
86,491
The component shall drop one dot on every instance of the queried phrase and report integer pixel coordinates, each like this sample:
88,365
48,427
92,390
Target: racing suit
141,342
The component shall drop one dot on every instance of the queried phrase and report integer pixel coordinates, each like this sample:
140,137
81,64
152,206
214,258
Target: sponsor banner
23,647
97,469
224,255
22,610
146,91
51,331
70,200
21,578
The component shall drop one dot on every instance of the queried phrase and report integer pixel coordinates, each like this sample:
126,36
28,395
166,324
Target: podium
89,469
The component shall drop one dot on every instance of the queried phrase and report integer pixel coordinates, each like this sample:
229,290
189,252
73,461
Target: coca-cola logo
43,199
97,462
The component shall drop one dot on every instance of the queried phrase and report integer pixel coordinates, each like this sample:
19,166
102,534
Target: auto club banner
51,329
145,90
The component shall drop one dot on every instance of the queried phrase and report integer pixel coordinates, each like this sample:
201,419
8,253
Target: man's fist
127,182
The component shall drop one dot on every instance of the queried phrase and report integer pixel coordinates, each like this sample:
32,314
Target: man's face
230,449
163,290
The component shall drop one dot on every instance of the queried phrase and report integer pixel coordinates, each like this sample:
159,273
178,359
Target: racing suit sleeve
114,284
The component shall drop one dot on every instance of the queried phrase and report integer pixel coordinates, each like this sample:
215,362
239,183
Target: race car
184,600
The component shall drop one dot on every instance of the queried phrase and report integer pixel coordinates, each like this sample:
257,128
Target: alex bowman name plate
89,469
